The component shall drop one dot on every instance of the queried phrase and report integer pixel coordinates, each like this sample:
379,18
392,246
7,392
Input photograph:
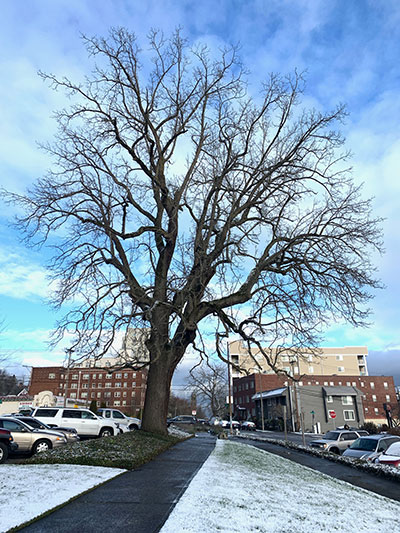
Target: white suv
119,418
86,423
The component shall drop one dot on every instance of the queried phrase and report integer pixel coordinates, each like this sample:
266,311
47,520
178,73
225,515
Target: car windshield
331,435
364,444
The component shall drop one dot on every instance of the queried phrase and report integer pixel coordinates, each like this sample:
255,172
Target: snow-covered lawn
244,489
27,491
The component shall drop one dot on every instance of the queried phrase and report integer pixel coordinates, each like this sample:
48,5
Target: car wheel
133,427
106,432
335,451
42,446
3,452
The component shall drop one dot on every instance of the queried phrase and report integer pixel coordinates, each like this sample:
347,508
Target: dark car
182,419
7,444
369,448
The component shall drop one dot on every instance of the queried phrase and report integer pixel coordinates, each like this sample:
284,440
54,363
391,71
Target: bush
371,428
394,431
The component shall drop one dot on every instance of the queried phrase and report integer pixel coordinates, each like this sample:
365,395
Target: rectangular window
117,394
117,403
133,393
339,358
340,368
85,385
252,384
100,376
108,385
376,410
366,409
317,382
354,384
372,385
52,375
325,383
93,395
107,395
347,400
85,376
99,385
329,399
118,376
93,376
387,397
385,385
348,415
311,370
84,394
118,385
310,358
348,384
108,376
99,395
74,385
73,394
124,402
331,384
74,376
125,384
362,384
124,394
374,398
125,375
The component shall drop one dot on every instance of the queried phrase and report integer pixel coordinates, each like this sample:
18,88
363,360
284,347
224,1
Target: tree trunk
157,396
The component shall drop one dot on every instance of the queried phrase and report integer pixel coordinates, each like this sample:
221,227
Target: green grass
128,450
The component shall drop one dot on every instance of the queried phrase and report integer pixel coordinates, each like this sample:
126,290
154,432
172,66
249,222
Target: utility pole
262,403
230,389
69,352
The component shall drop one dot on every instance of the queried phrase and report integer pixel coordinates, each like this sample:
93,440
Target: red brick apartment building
375,391
123,389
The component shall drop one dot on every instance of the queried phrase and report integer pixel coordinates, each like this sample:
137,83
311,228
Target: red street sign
332,414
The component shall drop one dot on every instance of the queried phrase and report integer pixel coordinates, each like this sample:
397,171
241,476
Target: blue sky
349,50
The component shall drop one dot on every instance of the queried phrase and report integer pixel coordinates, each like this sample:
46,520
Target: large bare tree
177,199
210,384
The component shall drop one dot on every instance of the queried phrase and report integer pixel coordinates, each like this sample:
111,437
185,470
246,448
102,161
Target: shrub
371,428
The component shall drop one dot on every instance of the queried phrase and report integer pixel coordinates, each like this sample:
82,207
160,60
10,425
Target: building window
311,370
117,403
99,385
52,375
124,402
118,376
339,383
85,385
340,368
331,384
285,358
296,370
73,394
285,383
133,393
125,375
386,386
354,384
85,376
124,394
387,398
348,384
117,394
374,398
125,384
93,376
252,384
108,376
133,383
310,358
62,376
362,384
92,394
329,399
134,375
366,409
107,395
74,376
325,383
118,385
108,385
348,415
84,394
339,358
376,410
372,385
100,376
74,385
347,400
317,382
99,395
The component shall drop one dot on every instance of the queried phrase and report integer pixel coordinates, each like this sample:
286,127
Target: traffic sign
332,414
194,412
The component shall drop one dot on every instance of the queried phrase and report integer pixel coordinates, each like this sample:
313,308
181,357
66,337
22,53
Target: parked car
70,433
182,419
391,457
7,444
336,441
29,439
247,425
371,447
86,423
120,418
226,424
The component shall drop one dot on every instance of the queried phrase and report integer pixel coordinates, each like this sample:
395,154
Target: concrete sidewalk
138,501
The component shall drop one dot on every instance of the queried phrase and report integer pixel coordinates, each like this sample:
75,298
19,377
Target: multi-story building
373,394
124,389
343,361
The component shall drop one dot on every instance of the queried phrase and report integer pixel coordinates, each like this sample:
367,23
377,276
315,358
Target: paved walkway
359,478
136,502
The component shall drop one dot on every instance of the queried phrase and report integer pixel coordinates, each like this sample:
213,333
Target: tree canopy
178,197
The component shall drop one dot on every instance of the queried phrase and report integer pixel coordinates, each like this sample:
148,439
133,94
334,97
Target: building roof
269,393
340,391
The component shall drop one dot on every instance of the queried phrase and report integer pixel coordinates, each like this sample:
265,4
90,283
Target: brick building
375,391
123,389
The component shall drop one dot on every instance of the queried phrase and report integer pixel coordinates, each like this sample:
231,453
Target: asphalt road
372,482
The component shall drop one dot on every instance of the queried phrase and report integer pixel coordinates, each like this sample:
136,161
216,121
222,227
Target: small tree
178,199
209,382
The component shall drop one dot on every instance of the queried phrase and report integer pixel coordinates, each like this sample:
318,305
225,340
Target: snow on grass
27,491
243,489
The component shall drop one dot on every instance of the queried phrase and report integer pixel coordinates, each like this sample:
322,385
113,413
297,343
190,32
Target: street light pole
69,352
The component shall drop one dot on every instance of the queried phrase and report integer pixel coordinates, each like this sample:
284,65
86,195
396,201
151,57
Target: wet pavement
138,501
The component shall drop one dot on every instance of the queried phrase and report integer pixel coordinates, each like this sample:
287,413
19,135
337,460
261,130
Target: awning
340,391
269,394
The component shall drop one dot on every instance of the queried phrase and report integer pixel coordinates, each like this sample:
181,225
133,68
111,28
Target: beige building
342,361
